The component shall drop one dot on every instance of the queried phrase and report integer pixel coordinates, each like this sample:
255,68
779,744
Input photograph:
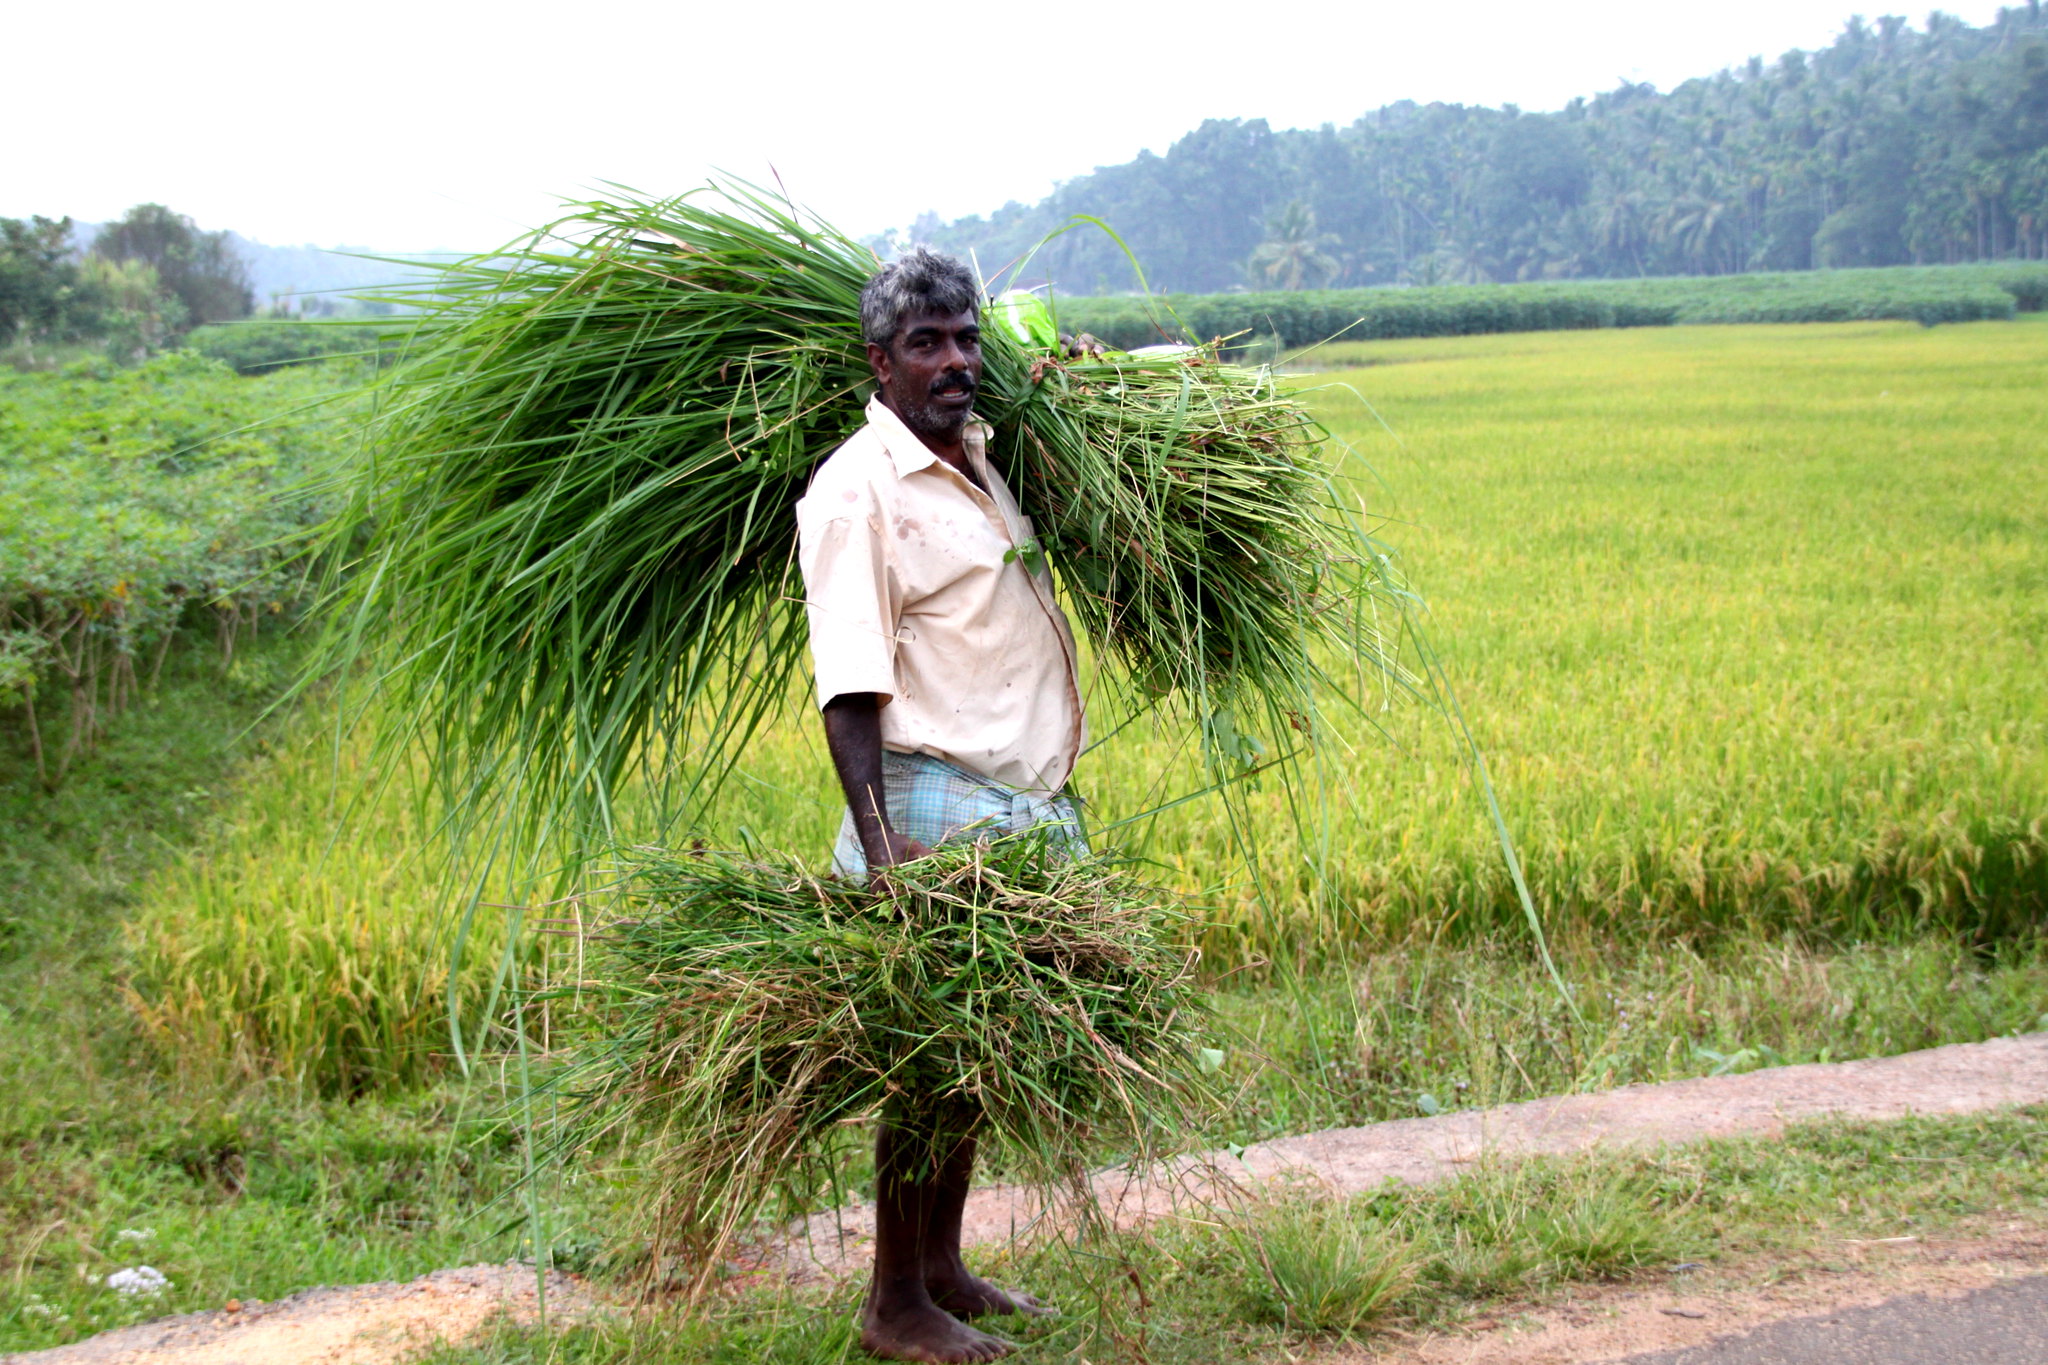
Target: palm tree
1293,255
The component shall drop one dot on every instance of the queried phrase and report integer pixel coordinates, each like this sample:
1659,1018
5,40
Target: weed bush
1320,1267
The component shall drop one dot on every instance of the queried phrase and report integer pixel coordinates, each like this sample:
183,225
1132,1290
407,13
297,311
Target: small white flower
135,1235
37,1310
141,1279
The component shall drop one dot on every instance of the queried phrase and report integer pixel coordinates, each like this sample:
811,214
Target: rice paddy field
1747,621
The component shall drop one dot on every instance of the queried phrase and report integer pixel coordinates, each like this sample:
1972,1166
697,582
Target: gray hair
918,281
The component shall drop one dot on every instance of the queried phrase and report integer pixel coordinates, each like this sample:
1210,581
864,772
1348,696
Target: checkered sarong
934,802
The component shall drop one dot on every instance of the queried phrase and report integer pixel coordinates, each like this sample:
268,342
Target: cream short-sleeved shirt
916,591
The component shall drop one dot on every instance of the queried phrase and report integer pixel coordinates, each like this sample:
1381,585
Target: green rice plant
1323,1266
580,538
745,1007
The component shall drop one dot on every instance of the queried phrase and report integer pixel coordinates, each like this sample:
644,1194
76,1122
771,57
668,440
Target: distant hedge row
1923,294
271,344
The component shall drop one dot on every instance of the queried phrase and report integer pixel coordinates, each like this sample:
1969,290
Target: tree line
145,281
1891,146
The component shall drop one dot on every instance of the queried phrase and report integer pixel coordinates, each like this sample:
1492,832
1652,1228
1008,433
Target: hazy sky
408,126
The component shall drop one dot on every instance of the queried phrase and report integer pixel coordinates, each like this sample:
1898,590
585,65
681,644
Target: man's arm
853,733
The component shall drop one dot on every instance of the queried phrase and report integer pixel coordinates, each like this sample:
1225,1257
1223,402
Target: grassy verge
232,1188
1267,1282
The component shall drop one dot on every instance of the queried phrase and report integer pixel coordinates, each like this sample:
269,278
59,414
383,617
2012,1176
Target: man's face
931,372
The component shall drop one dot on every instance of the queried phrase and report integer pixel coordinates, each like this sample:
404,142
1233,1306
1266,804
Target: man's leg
900,1321
946,1275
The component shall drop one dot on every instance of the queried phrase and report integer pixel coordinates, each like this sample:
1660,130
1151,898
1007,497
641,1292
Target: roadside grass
1419,1030
1270,1281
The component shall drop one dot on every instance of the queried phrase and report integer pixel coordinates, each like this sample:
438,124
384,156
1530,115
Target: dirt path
1616,1323
358,1324
384,1324
1945,1080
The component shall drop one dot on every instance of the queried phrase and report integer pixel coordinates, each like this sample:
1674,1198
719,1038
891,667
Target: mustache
959,379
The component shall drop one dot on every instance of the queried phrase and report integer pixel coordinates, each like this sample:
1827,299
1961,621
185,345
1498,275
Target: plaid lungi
934,802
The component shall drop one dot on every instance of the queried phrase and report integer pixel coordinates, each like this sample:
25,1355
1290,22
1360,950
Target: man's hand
895,848
853,732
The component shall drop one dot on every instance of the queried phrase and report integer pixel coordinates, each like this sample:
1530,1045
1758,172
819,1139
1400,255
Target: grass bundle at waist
574,530
744,1007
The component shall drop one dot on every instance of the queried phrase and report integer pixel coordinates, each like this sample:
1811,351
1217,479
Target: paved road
2006,1324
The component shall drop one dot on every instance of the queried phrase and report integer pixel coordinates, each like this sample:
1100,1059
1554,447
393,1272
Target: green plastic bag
1024,315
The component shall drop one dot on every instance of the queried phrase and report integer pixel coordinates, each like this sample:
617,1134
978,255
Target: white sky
410,126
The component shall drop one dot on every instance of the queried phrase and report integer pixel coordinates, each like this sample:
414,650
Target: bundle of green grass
570,545
748,1006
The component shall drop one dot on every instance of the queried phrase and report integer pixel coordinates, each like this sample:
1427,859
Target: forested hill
1893,145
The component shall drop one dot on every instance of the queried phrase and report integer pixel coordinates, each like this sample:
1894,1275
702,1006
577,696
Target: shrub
1924,294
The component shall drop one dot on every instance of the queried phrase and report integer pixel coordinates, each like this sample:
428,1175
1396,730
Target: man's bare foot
926,1332
970,1296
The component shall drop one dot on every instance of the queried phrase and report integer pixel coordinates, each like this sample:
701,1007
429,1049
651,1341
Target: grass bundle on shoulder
745,1006
571,545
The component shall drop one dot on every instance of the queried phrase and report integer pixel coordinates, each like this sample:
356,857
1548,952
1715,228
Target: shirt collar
907,452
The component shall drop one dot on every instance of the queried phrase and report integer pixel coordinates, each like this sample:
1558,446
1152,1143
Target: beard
933,421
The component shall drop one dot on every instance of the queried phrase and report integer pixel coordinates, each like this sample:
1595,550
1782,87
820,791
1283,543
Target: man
947,685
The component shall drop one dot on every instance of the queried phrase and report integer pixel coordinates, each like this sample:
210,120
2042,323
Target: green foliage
1890,146
127,308
257,347
1927,295
138,502
38,281
1293,256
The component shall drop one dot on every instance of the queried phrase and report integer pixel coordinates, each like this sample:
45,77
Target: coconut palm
1294,255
